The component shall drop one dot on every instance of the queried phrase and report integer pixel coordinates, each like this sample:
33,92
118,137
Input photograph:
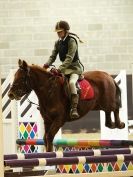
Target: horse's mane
54,81
36,67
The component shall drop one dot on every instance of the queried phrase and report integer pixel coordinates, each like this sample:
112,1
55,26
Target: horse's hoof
111,126
121,125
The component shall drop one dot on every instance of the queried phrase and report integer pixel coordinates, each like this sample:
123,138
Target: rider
67,48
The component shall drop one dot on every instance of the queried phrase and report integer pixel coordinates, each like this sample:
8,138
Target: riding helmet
62,25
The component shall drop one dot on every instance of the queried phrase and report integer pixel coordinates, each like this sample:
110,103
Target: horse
55,104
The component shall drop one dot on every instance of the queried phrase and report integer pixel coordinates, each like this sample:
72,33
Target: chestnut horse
55,105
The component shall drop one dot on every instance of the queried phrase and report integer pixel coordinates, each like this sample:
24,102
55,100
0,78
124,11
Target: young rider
67,48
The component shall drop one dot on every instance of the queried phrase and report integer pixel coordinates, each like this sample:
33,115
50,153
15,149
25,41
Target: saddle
84,87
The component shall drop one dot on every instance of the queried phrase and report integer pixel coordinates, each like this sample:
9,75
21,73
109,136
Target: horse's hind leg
108,120
118,122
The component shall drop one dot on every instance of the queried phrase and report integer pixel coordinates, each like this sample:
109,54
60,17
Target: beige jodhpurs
72,83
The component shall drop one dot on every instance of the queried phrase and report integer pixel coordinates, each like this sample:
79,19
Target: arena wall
105,26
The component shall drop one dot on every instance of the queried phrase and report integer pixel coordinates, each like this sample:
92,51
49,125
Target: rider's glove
56,72
46,66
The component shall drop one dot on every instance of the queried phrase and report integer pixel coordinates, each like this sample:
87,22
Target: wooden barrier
71,145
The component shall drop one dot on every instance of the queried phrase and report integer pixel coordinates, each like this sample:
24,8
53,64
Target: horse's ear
20,63
24,65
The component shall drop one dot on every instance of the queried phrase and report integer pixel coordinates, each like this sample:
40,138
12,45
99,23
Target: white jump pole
1,135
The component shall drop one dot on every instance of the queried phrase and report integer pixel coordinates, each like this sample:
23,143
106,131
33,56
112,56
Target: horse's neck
39,78
43,85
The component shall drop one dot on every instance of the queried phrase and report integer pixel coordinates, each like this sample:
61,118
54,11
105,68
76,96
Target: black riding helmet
62,25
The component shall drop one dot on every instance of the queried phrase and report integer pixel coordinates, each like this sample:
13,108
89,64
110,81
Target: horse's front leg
46,128
55,126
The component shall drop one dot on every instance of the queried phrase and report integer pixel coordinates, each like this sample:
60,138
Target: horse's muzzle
12,96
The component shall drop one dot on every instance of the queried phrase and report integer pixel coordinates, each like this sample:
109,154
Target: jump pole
78,143
91,152
68,160
1,135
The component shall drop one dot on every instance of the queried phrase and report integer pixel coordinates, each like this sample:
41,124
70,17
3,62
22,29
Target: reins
31,102
50,91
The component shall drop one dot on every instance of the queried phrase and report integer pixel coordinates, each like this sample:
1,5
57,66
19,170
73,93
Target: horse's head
21,84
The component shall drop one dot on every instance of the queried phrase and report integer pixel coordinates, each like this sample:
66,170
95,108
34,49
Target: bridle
27,86
25,81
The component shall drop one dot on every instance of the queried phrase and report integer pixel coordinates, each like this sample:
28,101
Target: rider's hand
55,72
46,66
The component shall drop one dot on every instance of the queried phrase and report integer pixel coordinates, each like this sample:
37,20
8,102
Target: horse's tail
118,95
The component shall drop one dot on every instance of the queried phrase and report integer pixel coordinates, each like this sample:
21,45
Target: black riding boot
74,103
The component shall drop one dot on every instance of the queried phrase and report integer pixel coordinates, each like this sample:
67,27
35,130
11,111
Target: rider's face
61,34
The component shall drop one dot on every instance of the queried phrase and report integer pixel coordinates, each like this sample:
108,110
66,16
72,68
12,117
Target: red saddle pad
87,91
